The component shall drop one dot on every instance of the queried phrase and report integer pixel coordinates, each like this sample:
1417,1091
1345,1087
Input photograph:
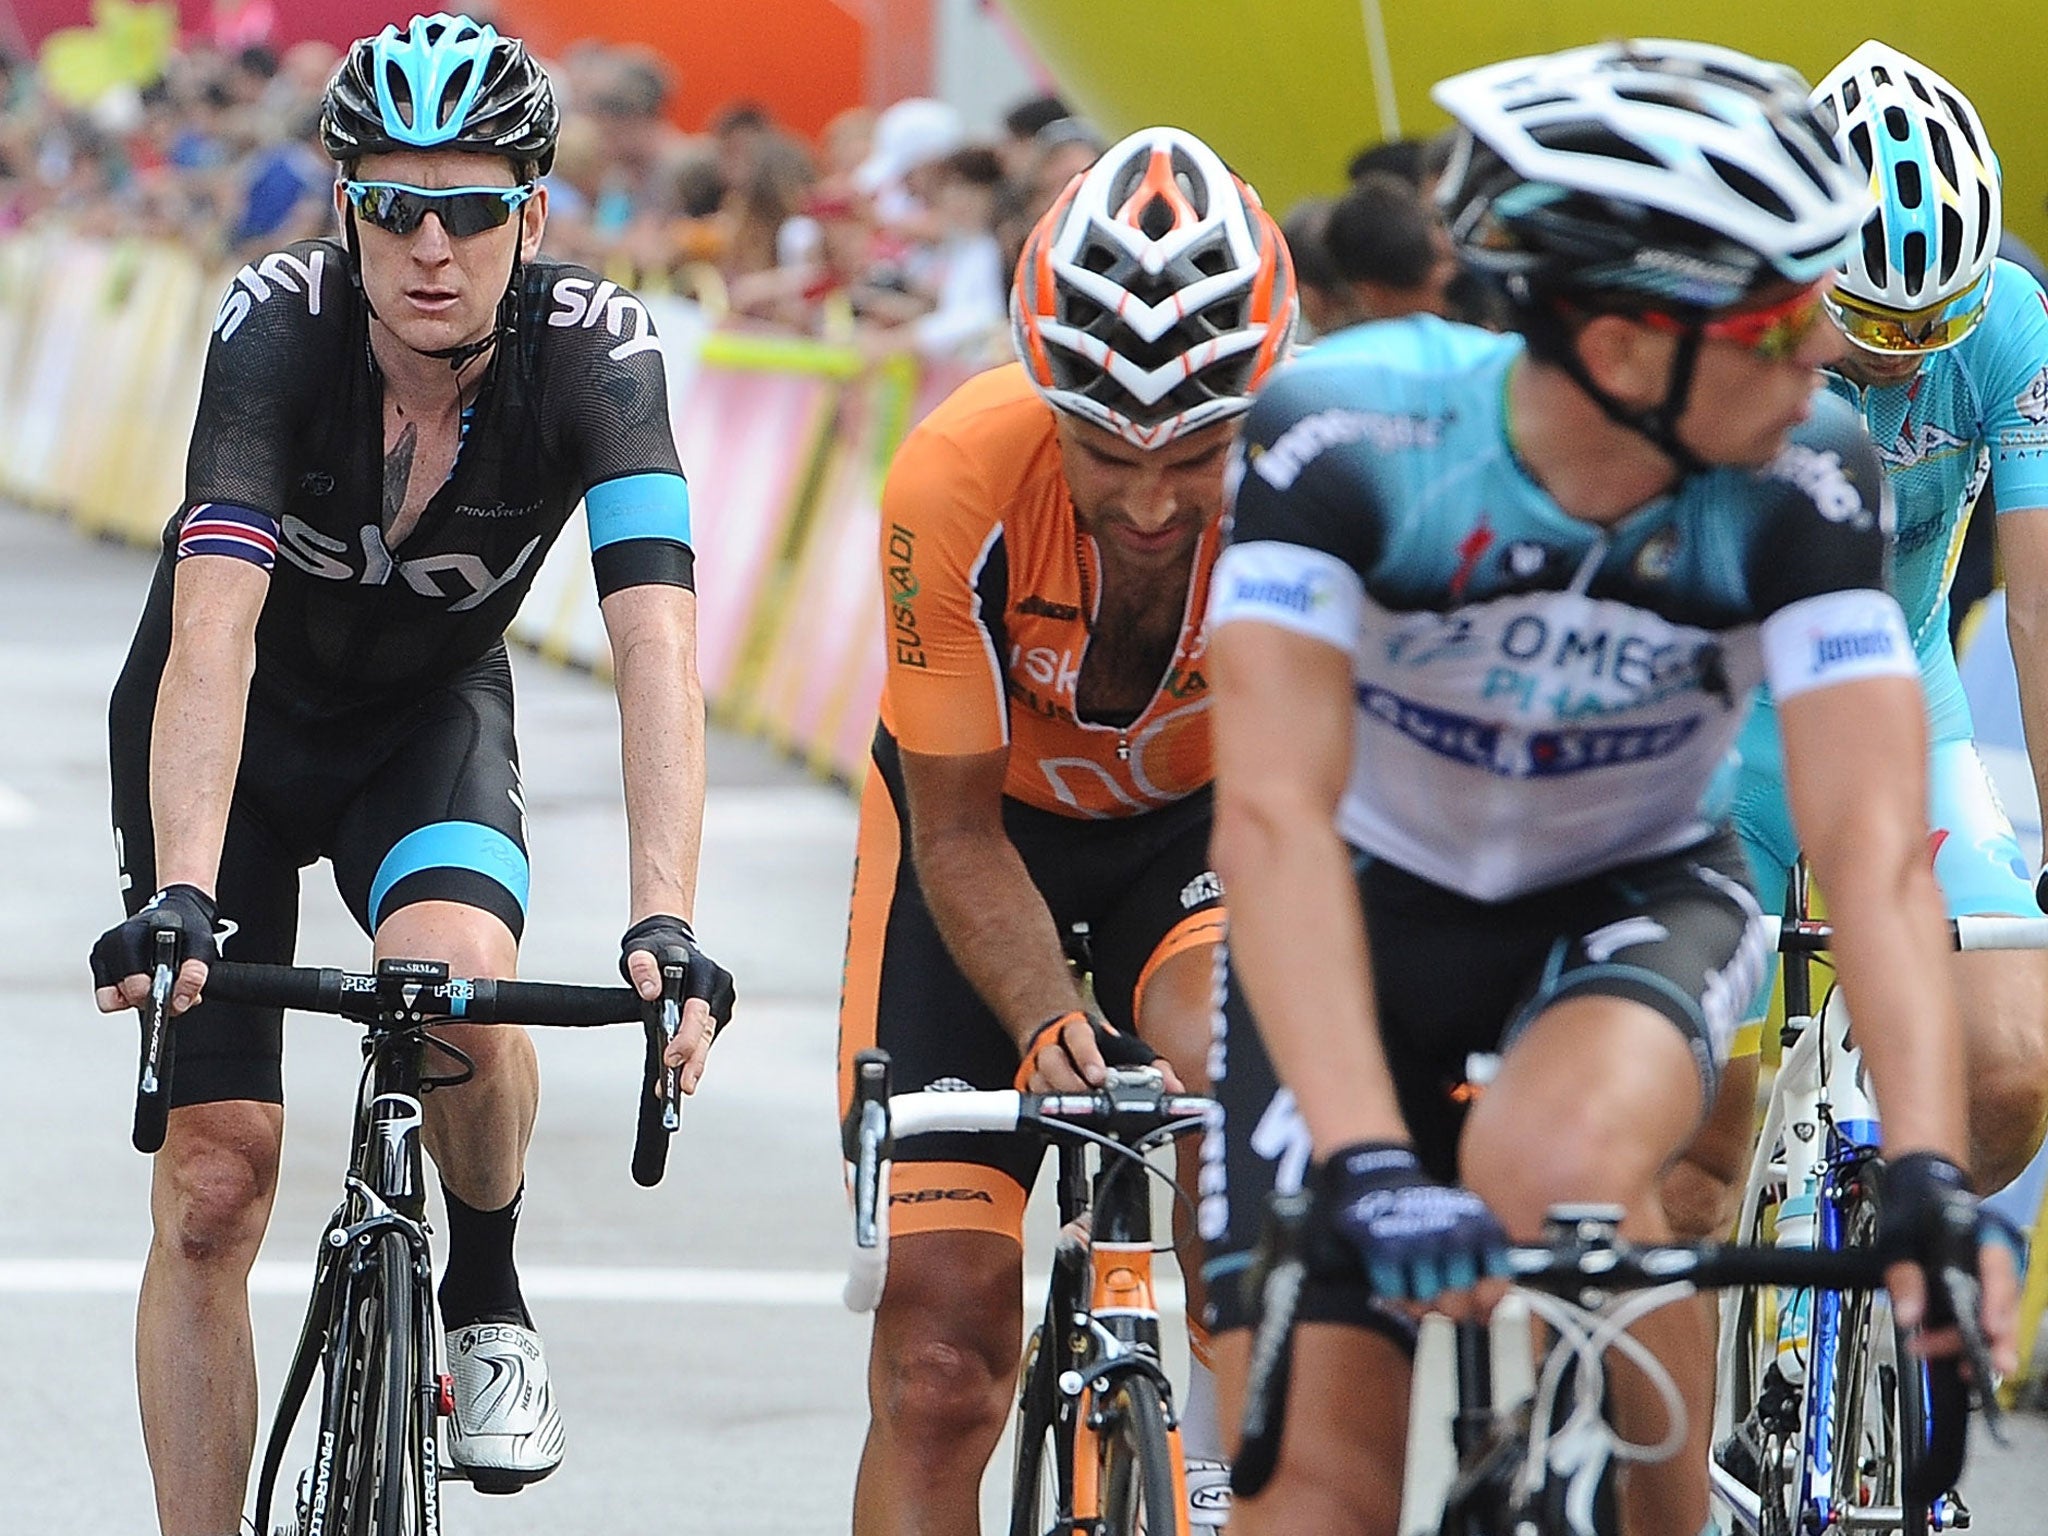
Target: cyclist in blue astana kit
1948,366
1489,621
392,429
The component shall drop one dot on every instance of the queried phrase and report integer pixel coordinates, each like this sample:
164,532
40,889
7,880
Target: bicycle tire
386,1488
1756,1346
1137,1481
1039,1490
1877,1398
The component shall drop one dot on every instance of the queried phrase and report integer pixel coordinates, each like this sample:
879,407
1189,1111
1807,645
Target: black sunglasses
463,211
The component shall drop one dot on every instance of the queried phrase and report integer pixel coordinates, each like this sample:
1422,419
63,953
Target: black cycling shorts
414,802
1454,978
1142,885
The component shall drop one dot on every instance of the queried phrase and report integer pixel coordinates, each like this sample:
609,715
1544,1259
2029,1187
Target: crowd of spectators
894,231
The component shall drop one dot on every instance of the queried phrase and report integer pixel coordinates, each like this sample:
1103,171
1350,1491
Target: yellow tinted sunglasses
1909,333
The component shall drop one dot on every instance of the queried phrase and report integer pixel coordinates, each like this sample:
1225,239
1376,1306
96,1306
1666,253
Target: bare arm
2023,546
994,920
1856,770
1283,729
195,746
653,631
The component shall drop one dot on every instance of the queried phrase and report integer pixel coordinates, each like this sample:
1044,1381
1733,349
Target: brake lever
1965,1292
674,978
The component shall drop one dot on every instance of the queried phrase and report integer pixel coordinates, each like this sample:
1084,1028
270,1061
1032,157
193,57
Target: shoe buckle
444,1394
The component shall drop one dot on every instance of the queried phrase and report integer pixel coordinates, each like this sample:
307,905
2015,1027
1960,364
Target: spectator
1390,248
1060,151
1021,125
910,137
774,192
1327,301
961,275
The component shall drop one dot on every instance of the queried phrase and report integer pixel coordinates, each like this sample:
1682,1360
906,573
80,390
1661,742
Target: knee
212,1198
2008,1113
945,1360
1581,1155
1699,1202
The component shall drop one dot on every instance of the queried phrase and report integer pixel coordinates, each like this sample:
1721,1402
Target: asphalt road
710,1380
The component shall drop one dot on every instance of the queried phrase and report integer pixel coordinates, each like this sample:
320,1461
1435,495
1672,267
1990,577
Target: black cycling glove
1928,1215
129,948
1118,1050
1414,1236
671,942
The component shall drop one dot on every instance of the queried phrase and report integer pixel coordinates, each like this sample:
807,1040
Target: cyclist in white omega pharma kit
1948,365
1488,624
392,429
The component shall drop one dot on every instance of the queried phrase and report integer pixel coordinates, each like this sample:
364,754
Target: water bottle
1795,1308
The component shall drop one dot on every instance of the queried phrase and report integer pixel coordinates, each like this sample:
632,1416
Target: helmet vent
1909,189
1584,138
401,91
458,81
1851,94
1951,243
1804,160
1873,254
1919,89
1962,116
1916,261
1157,219
1985,223
1944,153
1749,186
1897,124
1859,141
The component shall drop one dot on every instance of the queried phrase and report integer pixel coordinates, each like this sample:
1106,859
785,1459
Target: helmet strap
1658,424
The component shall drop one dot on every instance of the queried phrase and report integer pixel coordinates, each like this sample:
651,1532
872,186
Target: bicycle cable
1135,1152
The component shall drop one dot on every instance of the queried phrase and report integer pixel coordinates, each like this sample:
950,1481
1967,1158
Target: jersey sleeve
1303,531
635,498
1818,571
281,331
941,562
2013,390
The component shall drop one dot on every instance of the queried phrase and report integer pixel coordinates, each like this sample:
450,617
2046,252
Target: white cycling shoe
505,1432
1208,1493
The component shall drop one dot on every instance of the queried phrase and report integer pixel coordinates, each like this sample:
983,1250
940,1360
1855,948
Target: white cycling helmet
1649,174
1155,293
1925,257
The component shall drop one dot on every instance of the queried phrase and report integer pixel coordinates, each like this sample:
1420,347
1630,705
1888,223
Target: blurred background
820,202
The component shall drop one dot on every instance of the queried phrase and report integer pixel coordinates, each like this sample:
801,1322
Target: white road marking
541,1282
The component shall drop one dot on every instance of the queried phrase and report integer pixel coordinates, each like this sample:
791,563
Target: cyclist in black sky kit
393,428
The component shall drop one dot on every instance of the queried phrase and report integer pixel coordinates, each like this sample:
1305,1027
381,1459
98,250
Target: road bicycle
1544,1465
369,1332
1098,1441
1820,1410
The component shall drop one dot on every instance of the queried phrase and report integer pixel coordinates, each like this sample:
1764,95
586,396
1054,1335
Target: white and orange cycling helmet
1155,293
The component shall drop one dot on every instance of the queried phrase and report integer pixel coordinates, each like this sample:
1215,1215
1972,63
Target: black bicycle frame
385,1191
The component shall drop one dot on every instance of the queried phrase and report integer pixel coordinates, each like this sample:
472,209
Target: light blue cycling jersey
1980,408
1538,698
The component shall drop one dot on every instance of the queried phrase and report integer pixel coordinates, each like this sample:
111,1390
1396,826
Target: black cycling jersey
286,470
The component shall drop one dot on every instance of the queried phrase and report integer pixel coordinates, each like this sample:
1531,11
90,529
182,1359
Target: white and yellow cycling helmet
1155,293
1920,278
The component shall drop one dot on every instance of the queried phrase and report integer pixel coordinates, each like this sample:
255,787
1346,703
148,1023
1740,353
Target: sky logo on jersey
279,272
580,302
1312,436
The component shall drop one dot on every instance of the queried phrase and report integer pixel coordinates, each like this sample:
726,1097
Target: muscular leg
195,1365
1342,1456
942,1368
478,1132
1699,1192
2004,1003
1591,1104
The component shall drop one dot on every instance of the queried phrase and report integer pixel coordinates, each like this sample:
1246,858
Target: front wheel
1142,1484
387,1487
1040,1491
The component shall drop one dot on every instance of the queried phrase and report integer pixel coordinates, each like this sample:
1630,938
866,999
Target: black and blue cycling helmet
445,82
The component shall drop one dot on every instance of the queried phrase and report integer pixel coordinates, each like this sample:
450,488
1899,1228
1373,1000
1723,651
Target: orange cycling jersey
992,588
